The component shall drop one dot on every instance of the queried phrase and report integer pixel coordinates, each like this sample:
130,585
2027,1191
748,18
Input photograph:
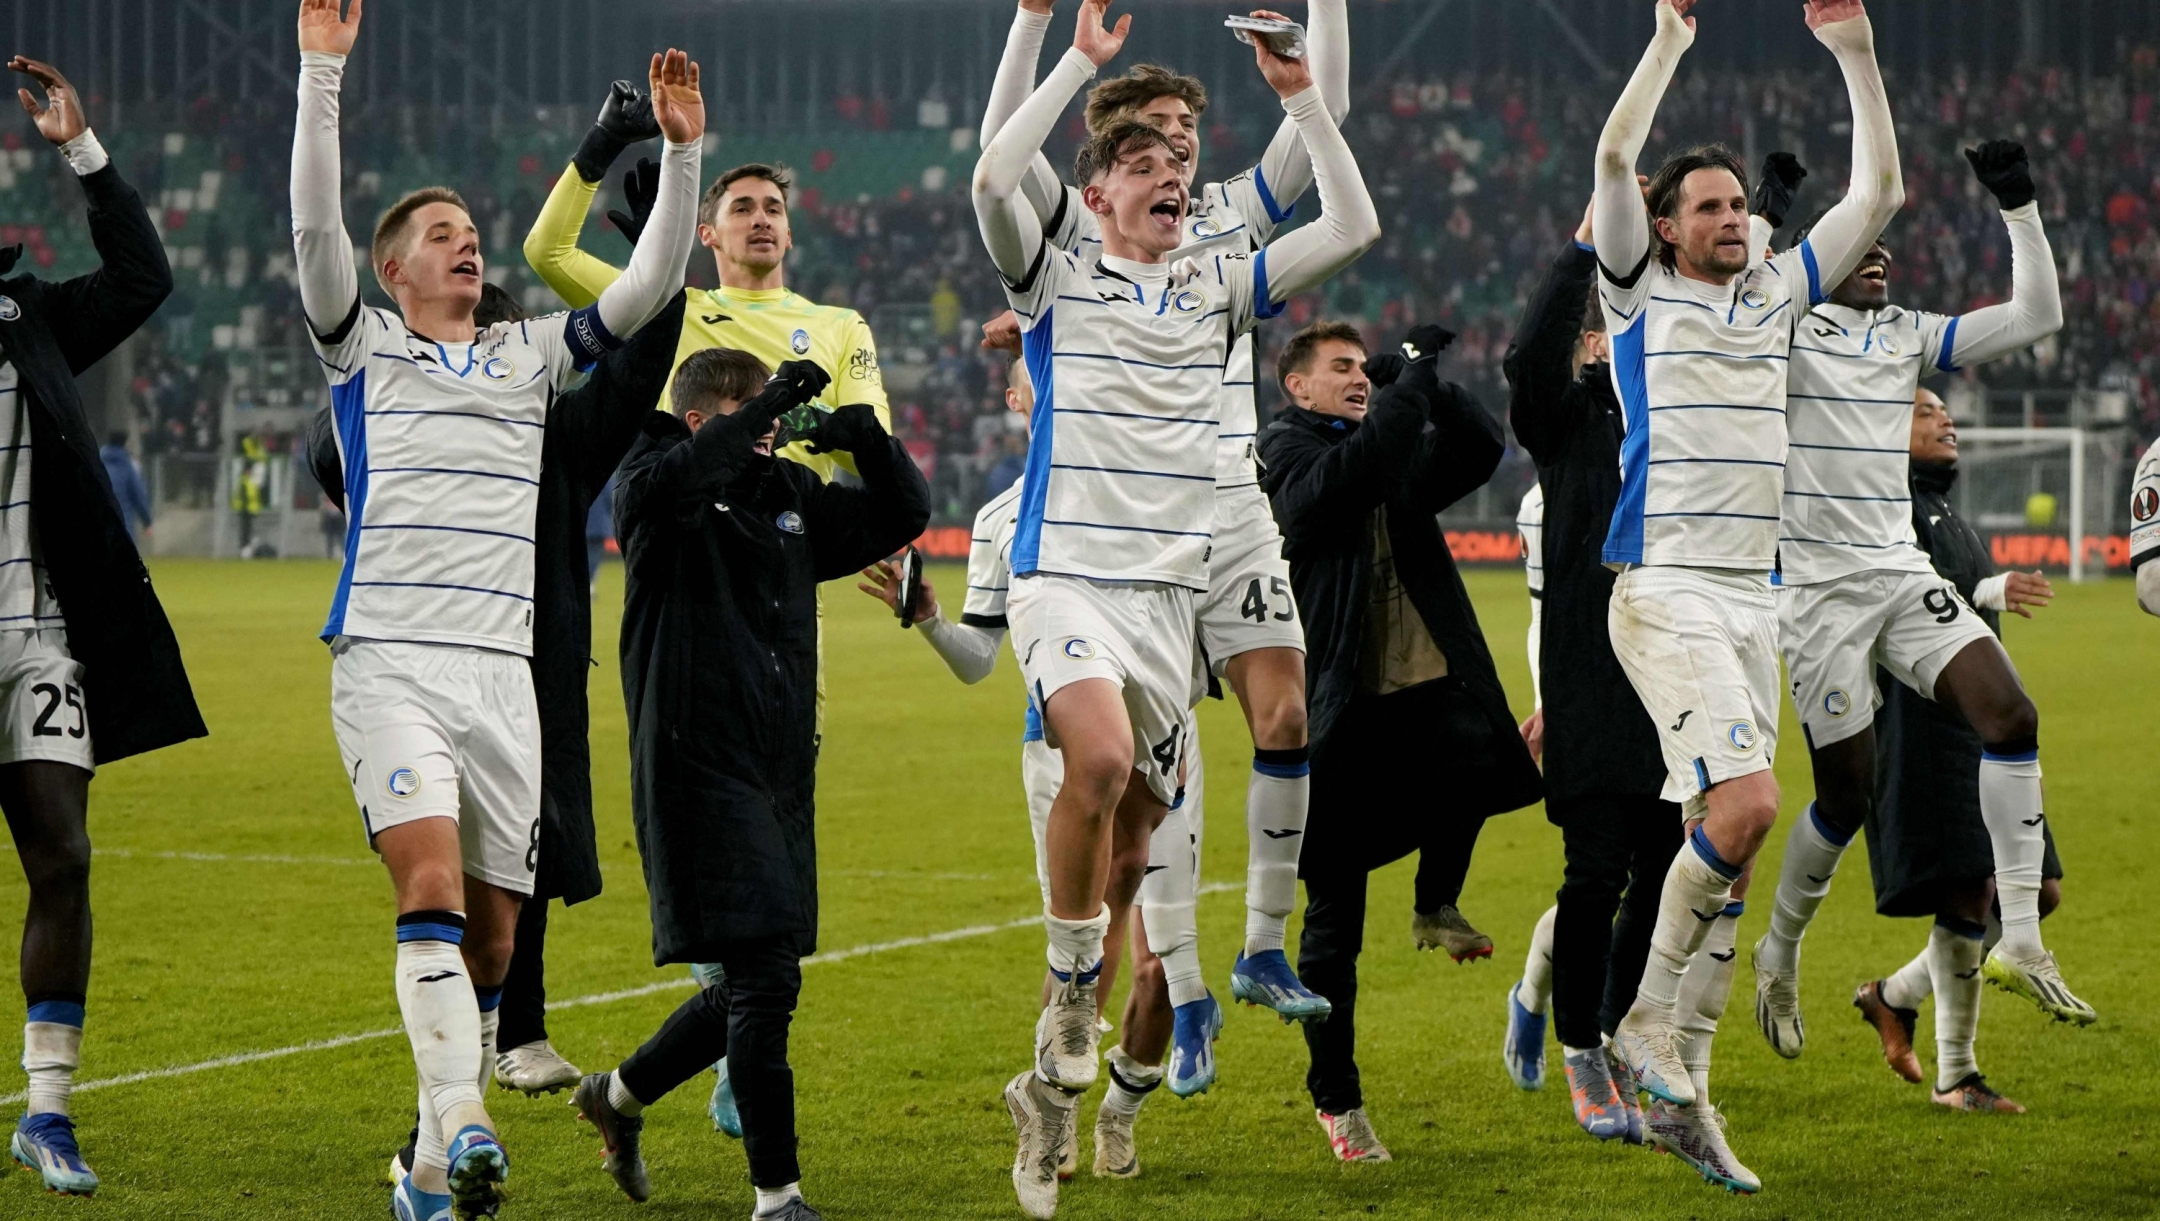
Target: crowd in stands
1479,179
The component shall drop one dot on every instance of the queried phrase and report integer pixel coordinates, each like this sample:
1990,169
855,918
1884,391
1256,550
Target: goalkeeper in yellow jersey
743,220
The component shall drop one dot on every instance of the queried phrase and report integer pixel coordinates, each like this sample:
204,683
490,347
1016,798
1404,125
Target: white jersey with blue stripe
2145,510
441,445
1127,361
27,599
1700,370
1848,410
1530,523
1239,216
989,578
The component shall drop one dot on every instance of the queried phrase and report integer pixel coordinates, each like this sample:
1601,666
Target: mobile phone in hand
1285,38
910,582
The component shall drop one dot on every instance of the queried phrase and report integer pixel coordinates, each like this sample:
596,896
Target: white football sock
1076,945
2011,806
1535,990
1703,993
442,1022
1695,893
1910,984
1954,963
1275,808
52,1050
1811,860
1130,1083
770,1202
490,1000
1169,898
620,1097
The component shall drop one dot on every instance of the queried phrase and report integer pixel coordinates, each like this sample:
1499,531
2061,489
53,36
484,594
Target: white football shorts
45,719
1138,636
444,731
1701,649
1248,603
1836,632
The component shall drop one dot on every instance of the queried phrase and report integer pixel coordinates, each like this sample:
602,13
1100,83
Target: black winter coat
133,680
1598,739
589,429
1422,447
724,550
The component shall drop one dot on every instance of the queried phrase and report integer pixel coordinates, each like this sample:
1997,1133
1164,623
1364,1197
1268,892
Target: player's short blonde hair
390,230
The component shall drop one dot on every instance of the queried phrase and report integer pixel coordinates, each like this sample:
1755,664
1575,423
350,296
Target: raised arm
1011,228
1837,242
656,267
1014,81
322,252
1348,224
849,527
551,248
1285,169
1623,227
1540,362
2034,310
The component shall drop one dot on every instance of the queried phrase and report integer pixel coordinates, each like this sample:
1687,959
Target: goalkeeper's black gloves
1781,175
1418,356
626,118
851,429
2001,167
795,383
640,187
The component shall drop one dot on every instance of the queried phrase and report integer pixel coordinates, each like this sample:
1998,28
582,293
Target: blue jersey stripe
1145,364
1119,470
1624,538
451,470
1814,273
1840,398
464,415
1850,449
1717,355
1035,349
449,529
1897,500
1736,516
1718,407
1716,462
1136,415
1943,359
348,412
1097,525
471,589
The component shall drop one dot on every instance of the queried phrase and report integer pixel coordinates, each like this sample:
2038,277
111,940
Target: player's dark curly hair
1663,193
1113,144
1119,96
1297,355
711,376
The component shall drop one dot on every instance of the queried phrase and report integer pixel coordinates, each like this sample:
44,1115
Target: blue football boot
1265,979
1523,1050
725,1118
409,1203
1192,1046
478,1167
46,1143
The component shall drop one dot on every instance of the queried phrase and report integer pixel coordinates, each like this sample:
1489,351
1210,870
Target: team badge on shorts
1742,736
1078,649
800,342
1837,703
403,782
9,311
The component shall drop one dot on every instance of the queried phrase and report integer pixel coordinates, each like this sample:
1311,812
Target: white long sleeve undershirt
969,652
323,252
2034,310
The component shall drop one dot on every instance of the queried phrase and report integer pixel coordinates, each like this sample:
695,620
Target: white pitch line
272,859
576,1002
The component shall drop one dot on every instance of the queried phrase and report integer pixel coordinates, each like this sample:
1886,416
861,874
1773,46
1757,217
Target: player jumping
439,427
1700,341
1855,591
1249,627
1117,507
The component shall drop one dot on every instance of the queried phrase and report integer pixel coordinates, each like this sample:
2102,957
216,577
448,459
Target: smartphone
910,582
1285,38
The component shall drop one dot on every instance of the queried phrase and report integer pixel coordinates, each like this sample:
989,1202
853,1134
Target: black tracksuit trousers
744,1017
1616,845
524,998
1328,948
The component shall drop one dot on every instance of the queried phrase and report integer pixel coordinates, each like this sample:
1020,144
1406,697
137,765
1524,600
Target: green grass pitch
283,940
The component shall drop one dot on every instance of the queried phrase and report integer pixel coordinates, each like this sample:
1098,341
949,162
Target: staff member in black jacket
1928,849
1413,744
723,548
1603,771
89,669
588,431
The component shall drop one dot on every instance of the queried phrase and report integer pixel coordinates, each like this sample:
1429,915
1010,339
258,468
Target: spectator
127,486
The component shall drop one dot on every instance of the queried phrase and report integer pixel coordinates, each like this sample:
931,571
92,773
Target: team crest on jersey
1888,343
2145,504
1188,301
1205,227
790,521
9,311
799,342
1078,649
497,369
1754,298
1741,735
403,782
1837,703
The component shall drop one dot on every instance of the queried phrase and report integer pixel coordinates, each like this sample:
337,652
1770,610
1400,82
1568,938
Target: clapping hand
321,29
1097,41
677,106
